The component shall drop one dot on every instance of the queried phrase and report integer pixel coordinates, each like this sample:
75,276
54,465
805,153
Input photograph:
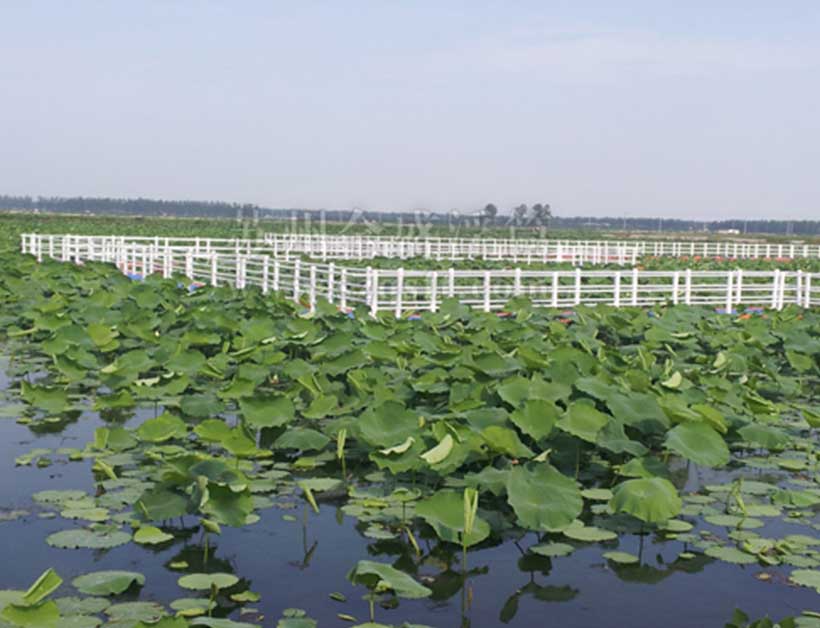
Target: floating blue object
722,310
134,276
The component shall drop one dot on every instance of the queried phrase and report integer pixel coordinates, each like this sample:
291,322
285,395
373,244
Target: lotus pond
221,458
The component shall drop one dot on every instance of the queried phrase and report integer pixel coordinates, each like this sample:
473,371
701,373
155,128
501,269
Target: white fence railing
325,246
401,290
522,251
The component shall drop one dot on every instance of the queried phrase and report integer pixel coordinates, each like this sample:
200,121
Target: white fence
401,291
326,248
323,246
522,251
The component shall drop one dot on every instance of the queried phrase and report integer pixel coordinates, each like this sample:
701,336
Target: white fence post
434,289
265,264
729,295
213,269
634,286
343,290
675,286
775,287
399,290
312,292
616,289
577,286
297,270
331,279
739,286
374,291
486,290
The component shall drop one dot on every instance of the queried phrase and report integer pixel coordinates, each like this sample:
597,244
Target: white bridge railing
401,291
324,246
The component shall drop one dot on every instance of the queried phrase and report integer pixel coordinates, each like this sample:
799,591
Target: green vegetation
461,428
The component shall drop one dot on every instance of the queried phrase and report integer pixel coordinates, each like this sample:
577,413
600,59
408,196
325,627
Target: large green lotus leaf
220,471
162,428
238,388
811,416
595,387
345,362
204,581
764,435
698,442
45,585
505,441
302,438
536,418
489,478
92,539
548,391
552,550
372,574
82,605
444,511
543,498
267,410
387,425
128,612
653,500
494,365
514,390
150,535
213,430
240,444
188,362
589,534
646,467
639,410
101,335
613,438
54,400
43,615
58,496
583,421
115,438
228,507
157,504
321,407
730,555
107,582
201,405
806,578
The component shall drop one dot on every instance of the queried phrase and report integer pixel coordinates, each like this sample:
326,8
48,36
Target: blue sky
698,109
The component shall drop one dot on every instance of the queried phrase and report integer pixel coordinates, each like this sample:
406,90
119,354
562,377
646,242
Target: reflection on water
299,560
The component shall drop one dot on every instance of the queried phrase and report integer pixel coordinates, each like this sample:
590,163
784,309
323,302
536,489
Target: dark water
575,591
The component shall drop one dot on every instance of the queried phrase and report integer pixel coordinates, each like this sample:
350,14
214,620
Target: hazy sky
703,109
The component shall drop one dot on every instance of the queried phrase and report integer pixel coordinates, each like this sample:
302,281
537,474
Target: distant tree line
126,206
523,216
